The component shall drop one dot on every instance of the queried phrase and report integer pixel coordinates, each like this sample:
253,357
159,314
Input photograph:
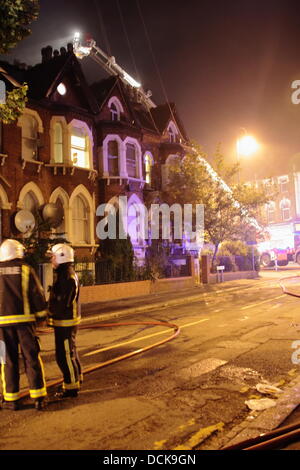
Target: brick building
79,146
282,215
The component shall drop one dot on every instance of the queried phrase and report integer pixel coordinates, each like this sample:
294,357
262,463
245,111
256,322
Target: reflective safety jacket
22,297
64,308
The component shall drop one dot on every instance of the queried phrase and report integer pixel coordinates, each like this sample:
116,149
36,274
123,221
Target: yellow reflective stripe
42,313
8,396
16,319
75,297
74,386
66,323
43,370
25,286
41,392
69,361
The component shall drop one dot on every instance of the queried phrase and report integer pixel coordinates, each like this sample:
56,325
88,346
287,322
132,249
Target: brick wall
125,290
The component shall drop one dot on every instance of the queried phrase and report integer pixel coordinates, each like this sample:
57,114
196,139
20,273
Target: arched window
61,229
115,116
30,202
173,132
116,108
285,207
113,158
58,143
80,220
29,137
131,160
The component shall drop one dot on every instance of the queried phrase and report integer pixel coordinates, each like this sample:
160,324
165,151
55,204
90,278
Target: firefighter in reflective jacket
64,316
22,303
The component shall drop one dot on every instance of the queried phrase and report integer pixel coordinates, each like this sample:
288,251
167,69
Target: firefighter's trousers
24,336
67,357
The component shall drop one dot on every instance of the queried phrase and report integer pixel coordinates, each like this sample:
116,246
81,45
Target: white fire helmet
63,253
11,249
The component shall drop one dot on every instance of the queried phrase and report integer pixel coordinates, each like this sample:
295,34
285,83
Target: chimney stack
46,54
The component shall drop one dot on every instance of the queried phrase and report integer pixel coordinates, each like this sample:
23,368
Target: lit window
80,219
113,158
285,207
61,89
58,143
79,150
131,160
148,168
29,137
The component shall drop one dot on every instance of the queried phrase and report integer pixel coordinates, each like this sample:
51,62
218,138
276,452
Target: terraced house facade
79,146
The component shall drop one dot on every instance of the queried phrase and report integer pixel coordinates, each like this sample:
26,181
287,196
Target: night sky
227,64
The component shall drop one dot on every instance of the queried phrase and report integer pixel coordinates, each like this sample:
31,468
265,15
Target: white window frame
130,140
115,113
63,196
76,124
113,157
30,187
82,191
123,174
283,180
172,132
284,209
116,138
65,151
40,130
271,209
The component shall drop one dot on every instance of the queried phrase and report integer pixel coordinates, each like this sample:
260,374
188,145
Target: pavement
262,422
98,311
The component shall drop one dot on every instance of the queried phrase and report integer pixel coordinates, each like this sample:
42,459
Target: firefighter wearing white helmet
11,249
22,303
64,311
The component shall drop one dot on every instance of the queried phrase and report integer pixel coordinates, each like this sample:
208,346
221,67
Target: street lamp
246,145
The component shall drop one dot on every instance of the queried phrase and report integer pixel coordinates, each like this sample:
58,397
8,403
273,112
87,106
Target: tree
15,17
228,211
39,241
117,258
15,103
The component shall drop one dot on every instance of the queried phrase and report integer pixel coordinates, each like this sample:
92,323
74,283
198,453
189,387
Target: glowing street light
246,146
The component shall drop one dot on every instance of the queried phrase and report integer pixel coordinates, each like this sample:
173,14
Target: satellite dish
24,221
52,214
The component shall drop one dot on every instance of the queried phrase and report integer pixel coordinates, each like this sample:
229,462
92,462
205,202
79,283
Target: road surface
189,393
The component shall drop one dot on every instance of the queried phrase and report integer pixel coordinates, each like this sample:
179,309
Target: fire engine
279,244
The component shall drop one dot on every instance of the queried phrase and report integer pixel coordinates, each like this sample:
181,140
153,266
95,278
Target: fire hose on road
101,365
